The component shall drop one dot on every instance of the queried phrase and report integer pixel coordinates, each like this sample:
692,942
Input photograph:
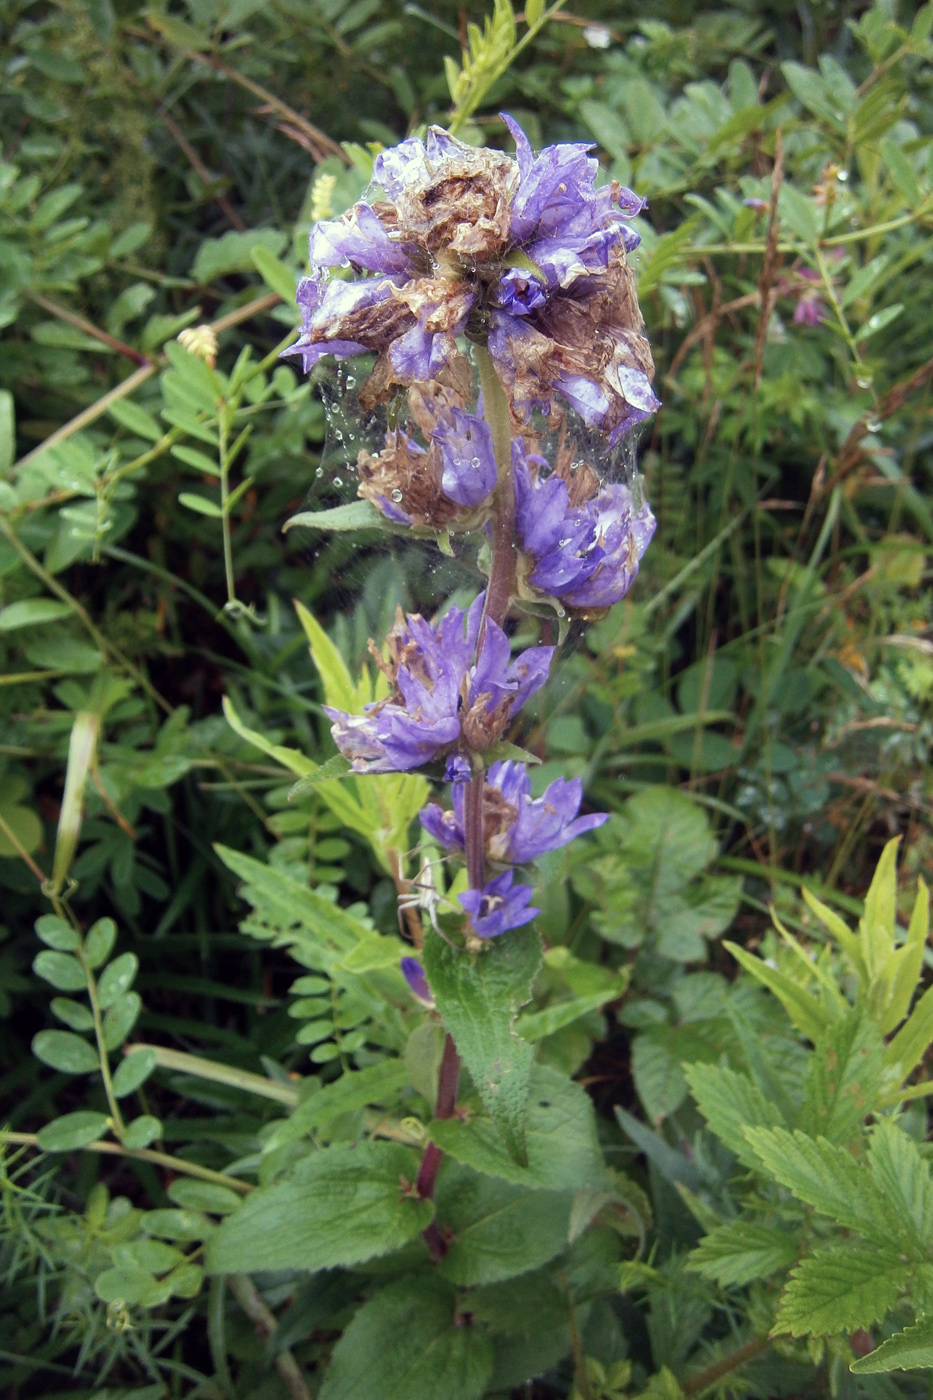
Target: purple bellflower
498,906
525,254
517,828
440,695
414,975
583,541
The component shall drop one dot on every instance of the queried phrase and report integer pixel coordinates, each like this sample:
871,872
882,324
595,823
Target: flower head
525,254
583,541
414,975
440,694
516,827
498,906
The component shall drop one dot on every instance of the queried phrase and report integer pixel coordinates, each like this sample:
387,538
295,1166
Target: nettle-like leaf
905,1351
341,1205
906,1179
649,882
743,1251
731,1104
479,996
843,1077
840,1289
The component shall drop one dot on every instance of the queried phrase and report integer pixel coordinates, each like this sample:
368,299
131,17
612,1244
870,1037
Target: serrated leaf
905,1178
878,922
72,1131
843,1077
731,1103
499,1230
406,1344
355,515
809,1016
479,996
907,962
560,1133
339,1206
742,1251
909,1350
840,1289
828,1178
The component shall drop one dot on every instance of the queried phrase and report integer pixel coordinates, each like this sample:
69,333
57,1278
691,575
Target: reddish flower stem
498,596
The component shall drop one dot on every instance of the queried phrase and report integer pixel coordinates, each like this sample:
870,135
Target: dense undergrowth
757,716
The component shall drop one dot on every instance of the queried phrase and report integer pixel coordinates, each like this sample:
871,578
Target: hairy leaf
840,1289
731,1103
499,1230
905,1351
828,1178
843,1077
742,1251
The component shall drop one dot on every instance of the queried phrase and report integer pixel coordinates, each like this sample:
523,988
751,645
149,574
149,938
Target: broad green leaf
291,759
204,1196
840,1289
65,1051
843,1077
339,1206
171,1224
58,934
479,996
376,950
142,1131
233,252
62,970
132,1071
99,941
120,1018
406,1344
560,1132
903,1175
32,612
535,1025
75,1014
64,653
806,1012
134,1287
730,1103
828,1178
355,515
71,1131
177,31
152,1255
742,1251
878,922
116,978
499,1230
909,1350
274,273
376,1084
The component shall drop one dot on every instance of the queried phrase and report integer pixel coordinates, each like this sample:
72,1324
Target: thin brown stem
448,1082
474,840
695,1385
140,1154
88,328
264,1321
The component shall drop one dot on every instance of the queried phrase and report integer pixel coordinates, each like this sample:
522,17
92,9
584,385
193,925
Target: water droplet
319,472
351,381
475,462
842,175
338,480
561,612
874,425
338,435
865,382
396,494
562,544
458,461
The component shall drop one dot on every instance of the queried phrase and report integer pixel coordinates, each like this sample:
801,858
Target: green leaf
377,950
177,32
151,1255
65,1051
828,1178
71,1131
201,505
808,1015
842,1079
560,1132
132,1071
62,970
535,1025
199,461
907,962
57,933
176,1224
731,1103
905,1351
406,1344
905,1178
75,1014
291,759
98,944
377,1084
134,1287
120,1018
339,1206
7,431
840,1289
205,1196
129,415
912,1041
336,767
879,321
339,689
499,1230
274,273
878,922
355,515
902,172
32,612
479,996
234,252
116,978
741,1252
142,1131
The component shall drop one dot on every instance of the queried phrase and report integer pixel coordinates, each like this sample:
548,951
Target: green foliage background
724,1146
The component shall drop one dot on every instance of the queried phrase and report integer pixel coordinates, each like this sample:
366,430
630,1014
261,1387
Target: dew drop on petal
475,462
351,381
338,480
396,494
319,472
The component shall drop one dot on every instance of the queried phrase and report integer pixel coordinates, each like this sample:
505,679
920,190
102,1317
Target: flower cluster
465,260
525,255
